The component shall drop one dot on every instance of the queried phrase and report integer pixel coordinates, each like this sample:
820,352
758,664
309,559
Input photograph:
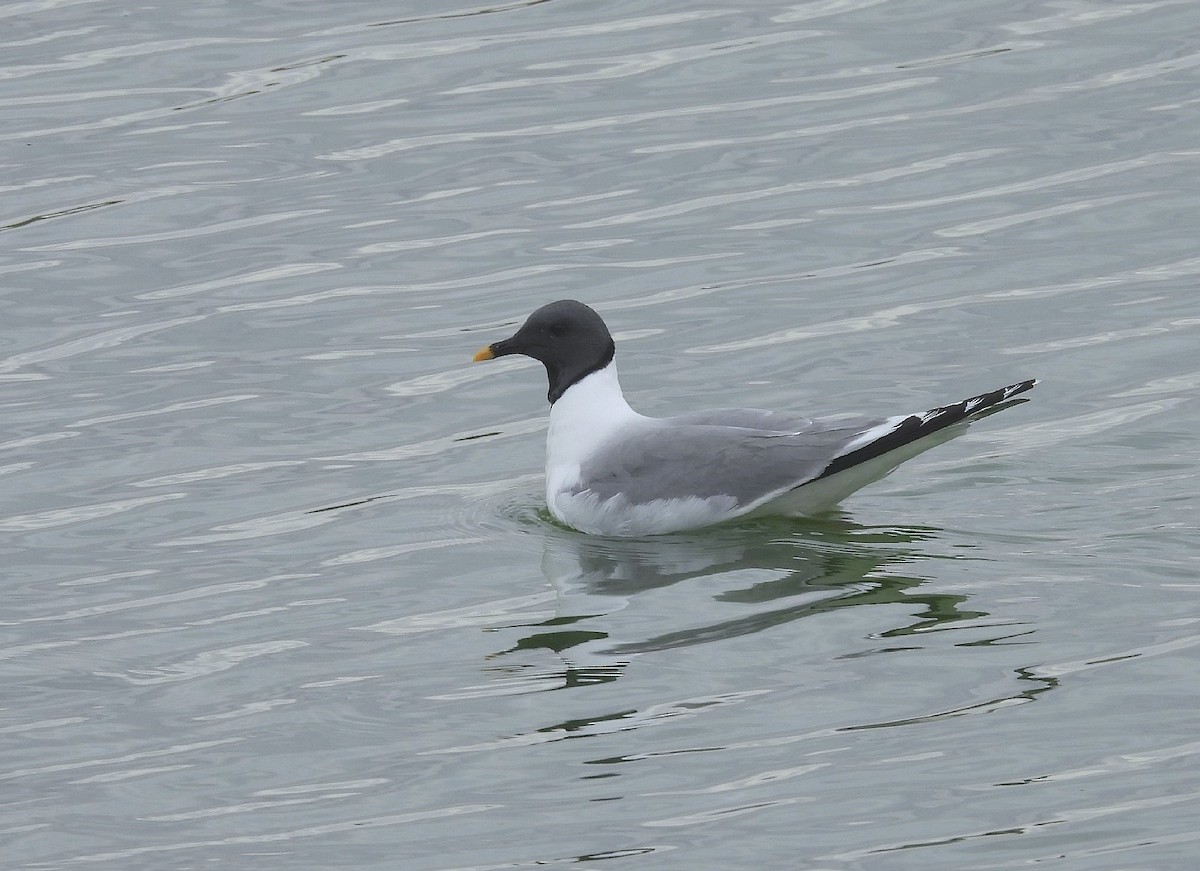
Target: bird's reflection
778,570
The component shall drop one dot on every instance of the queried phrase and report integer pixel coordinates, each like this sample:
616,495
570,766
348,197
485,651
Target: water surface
280,591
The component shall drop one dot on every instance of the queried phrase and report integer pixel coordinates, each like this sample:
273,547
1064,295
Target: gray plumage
612,471
677,457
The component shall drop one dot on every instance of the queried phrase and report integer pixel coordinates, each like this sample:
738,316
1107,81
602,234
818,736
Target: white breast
588,415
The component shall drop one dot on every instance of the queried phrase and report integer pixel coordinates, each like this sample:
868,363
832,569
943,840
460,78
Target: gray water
279,590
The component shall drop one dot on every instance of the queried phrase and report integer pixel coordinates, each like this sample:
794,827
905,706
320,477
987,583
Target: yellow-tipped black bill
484,353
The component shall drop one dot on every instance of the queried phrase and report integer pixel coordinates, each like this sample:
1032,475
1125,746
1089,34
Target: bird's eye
556,330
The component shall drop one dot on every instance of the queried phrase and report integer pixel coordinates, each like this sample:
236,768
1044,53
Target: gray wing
752,455
746,418
671,459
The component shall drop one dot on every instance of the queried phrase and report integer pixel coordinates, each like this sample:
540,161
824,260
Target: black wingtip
917,426
971,407
989,403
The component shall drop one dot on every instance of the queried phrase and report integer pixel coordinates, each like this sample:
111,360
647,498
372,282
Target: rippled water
280,591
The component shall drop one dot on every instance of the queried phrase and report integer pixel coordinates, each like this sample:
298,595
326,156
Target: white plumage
612,471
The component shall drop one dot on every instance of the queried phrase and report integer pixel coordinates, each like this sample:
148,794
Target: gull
613,472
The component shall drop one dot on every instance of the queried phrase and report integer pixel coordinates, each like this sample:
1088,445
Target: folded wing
754,456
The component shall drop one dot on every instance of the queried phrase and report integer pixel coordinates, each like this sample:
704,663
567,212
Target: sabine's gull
612,471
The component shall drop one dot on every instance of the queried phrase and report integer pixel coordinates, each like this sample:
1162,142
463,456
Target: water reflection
613,600
771,571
